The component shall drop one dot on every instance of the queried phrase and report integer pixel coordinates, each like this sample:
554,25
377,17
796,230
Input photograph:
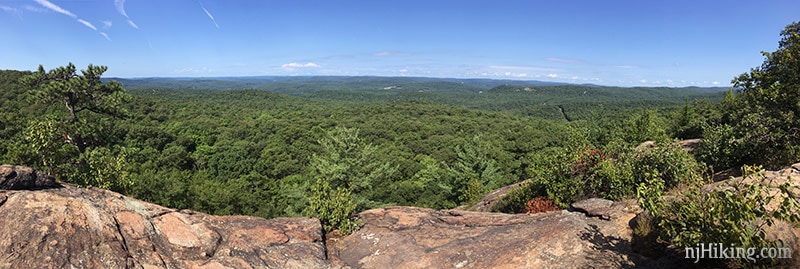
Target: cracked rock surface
47,225
72,227
407,237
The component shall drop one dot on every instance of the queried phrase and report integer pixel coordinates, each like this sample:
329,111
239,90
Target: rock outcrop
47,225
72,227
788,233
488,202
406,237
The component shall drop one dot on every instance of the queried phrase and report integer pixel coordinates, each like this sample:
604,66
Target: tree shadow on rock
617,252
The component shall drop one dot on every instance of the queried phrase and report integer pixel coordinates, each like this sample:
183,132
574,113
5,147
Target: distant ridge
297,85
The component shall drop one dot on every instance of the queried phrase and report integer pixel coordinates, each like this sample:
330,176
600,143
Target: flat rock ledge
408,237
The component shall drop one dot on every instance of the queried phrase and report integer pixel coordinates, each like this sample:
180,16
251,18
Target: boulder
72,227
488,202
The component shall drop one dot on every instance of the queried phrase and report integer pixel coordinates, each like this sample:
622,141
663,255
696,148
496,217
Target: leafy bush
719,148
515,200
332,207
732,216
672,164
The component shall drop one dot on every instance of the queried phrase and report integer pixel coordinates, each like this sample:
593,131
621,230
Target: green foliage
347,162
474,170
763,114
720,147
333,207
614,172
429,187
672,164
77,92
107,169
736,215
78,150
431,142
645,126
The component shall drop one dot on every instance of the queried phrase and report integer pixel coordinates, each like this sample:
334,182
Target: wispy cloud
209,15
12,10
35,9
120,5
523,67
88,24
8,9
552,75
389,53
55,8
562,60
292,66
48,5
627,66
107,24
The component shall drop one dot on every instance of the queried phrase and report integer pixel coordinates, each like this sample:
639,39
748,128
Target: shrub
333,208
516,200
732,216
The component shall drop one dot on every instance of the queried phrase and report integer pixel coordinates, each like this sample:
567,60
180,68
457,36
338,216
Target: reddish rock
94,228
407,237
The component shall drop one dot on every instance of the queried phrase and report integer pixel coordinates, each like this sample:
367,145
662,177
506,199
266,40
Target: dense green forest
255,151
329,147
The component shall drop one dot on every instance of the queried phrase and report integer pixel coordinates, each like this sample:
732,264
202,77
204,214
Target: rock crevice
68,226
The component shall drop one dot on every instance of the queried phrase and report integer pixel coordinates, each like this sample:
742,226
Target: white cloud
88,24
35,9
562,60
552,75
209,15
626,66
132,24
107,24
515,75
523,68
105,35
715,83
120,5
643,81
389,53
292,66
8,9
55,8
48,5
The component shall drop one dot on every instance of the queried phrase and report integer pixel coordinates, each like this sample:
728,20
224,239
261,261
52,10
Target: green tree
475,171
78,149
765,110
348,162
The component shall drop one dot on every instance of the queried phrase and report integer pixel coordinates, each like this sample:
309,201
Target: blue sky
624,43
